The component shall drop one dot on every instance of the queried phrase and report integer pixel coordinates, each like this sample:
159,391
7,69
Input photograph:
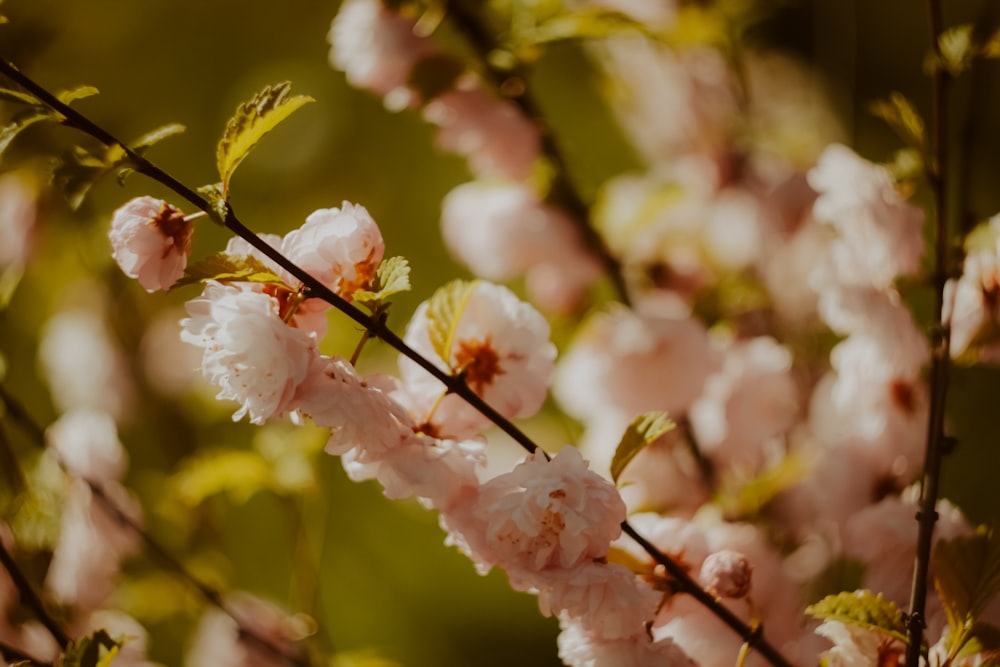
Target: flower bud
727,574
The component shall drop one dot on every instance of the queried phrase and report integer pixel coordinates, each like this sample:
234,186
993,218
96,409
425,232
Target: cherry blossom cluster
500,214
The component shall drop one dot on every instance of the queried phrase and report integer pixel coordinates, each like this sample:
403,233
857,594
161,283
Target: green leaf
957,48
227,268
644,430
584,23
252,121
239,473
746,498
966,574
903,118
444,310
862,609
21,122
18,97
74,94
982,638
392,277
213,193
156,136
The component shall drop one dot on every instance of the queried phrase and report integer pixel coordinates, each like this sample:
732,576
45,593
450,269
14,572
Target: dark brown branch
30,599
937,173
12,654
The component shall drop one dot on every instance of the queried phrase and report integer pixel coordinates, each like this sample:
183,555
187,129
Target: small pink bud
727,574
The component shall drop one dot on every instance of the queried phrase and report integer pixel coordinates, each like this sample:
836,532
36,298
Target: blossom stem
562,193
940,361
30,598
454,384
20,416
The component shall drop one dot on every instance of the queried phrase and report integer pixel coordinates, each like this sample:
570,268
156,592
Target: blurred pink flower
87,443
377,48
578,648
151,241
492,133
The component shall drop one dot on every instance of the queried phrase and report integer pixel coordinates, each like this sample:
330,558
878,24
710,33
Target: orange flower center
479,362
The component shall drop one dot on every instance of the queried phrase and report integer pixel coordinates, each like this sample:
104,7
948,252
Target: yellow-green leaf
97,650
239,473
18,97
862,609
644,430
252,121
444,310
78,93
392,277
967,576
903,118
228,268
957,48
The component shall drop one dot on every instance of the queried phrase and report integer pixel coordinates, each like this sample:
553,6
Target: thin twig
211,595
31,599
937,172
563,193
455,384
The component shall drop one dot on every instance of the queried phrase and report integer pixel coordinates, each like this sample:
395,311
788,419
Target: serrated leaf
444,310
966,574
78,93
240,474
391,277
903,118
957,48
252,121
643,430
228,268
862,609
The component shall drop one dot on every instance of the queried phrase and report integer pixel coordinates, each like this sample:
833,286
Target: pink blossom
77,353
87,443
577,648
120,625
635,364
879,234
377,48
855,646
607,600
492,133
220,641
501,230
751,400
341,247
438,472
151,241
543,515
972,303
500,343
17,221
248,351
92,544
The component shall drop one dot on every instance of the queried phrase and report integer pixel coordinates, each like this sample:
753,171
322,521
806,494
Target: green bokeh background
384,578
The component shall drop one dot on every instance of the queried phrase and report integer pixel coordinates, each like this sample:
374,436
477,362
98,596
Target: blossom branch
940,344
513,85
212,596
30,598
455,384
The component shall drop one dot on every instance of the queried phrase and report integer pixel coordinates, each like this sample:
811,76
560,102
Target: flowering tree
737,331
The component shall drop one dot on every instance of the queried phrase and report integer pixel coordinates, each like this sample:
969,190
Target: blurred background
374,574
